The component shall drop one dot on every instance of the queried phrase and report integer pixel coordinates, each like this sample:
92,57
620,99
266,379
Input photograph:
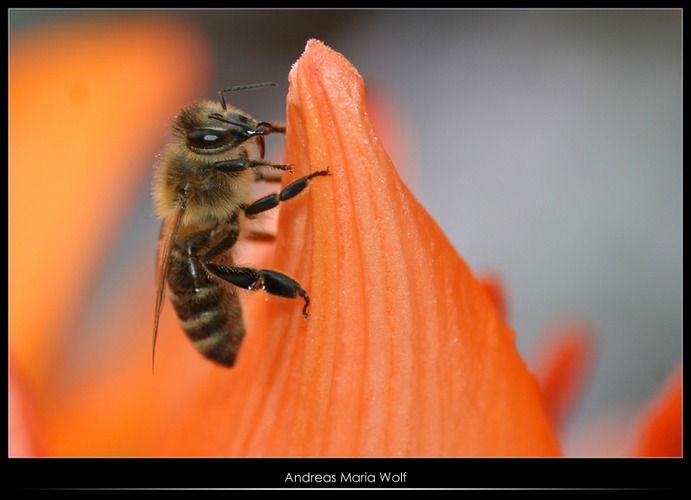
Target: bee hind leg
271,282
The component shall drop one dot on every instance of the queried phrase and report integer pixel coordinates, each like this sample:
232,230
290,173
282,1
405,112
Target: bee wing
167,237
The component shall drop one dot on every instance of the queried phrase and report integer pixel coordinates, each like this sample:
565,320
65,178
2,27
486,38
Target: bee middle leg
291,190
271,282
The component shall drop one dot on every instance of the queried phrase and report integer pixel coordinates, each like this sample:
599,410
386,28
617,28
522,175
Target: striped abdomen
207,309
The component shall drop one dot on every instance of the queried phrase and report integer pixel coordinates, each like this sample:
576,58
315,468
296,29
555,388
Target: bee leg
278,127
242,164
291,190
263,176
271,282
258,236
227,242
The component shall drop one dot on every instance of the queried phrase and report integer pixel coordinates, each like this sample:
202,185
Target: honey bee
201,187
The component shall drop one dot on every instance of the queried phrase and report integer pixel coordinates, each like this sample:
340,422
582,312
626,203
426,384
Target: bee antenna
242,87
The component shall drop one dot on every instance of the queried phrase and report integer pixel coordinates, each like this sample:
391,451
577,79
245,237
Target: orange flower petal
394,129
566,360
494,286
111,404
659,434
88,103
24,429
403,354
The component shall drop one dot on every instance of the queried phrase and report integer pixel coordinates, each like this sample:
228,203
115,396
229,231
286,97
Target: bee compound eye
209,139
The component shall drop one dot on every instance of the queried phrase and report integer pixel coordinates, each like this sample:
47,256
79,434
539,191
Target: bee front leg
271,282
278,127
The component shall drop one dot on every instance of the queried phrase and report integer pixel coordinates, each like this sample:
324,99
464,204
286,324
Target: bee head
207,129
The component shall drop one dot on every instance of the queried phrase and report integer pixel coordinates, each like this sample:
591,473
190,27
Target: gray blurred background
547,144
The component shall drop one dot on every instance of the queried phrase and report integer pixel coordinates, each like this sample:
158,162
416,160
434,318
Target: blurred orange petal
393,127
659,434
86,101
494,286
566,359
404,354
23,420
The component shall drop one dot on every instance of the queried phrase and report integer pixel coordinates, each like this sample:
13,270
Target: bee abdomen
212,319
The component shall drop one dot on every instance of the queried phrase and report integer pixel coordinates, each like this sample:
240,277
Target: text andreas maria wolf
346,478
